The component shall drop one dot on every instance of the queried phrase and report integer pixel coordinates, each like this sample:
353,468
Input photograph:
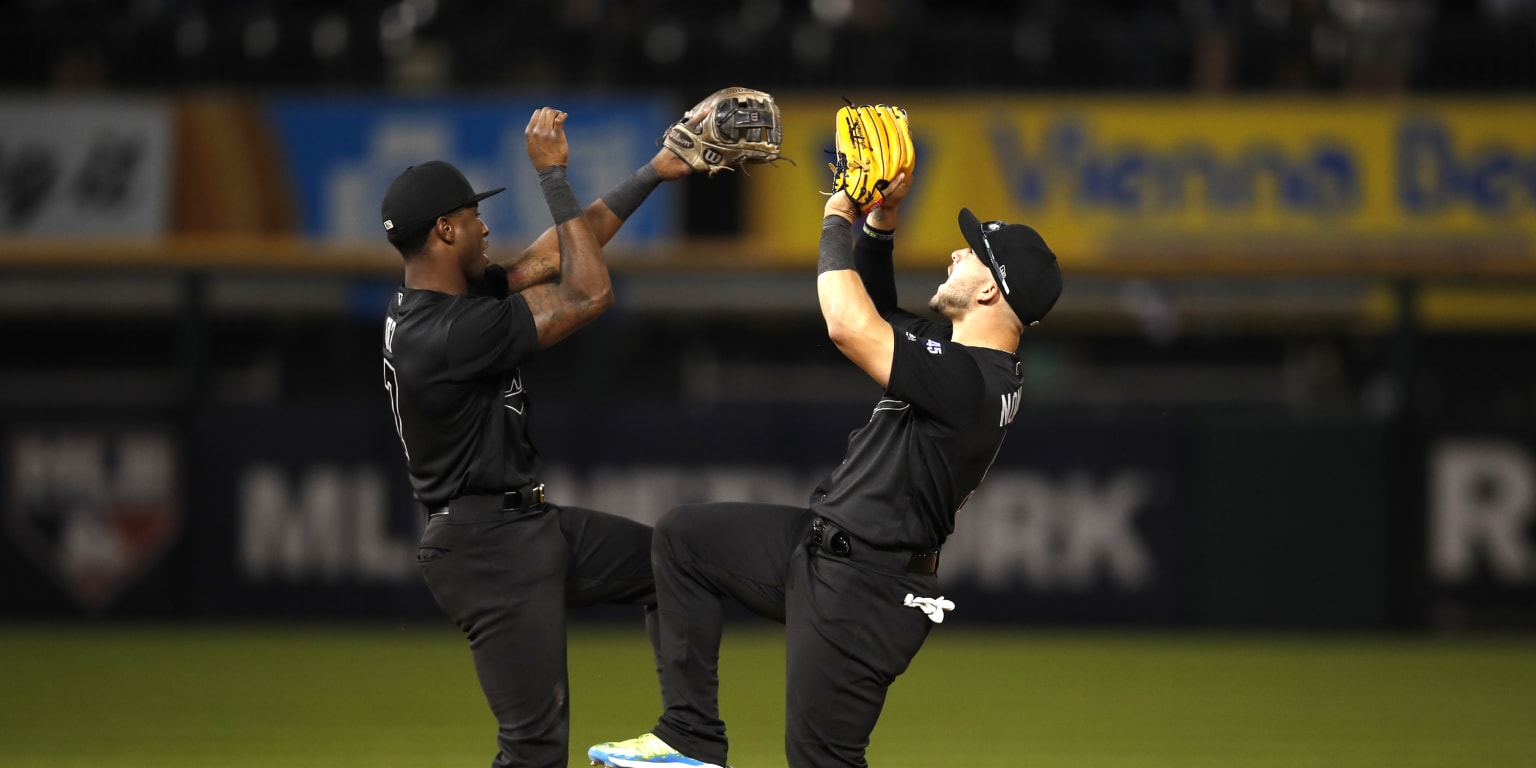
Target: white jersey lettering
1010,406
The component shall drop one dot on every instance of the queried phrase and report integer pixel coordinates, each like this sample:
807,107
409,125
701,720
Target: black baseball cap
424,192
1024,266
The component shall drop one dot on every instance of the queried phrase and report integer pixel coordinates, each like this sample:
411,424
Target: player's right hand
896,191
545,137
884,216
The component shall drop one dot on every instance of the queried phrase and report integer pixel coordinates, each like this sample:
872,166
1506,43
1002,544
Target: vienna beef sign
1188,185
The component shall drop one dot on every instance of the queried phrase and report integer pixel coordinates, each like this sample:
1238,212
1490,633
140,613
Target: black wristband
496,281
558,193
879,234
625,198
836,249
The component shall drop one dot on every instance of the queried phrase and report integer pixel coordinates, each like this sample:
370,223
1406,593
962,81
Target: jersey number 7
392,386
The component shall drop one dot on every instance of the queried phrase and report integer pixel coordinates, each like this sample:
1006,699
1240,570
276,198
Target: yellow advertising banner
1187,185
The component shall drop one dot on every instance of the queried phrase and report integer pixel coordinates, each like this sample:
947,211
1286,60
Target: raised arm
872,251
853,324
582,291
853,321
539,263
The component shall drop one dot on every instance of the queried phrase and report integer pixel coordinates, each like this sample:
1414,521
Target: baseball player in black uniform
501,560
853,575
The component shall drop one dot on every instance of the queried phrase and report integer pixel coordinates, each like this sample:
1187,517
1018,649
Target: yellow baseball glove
873,147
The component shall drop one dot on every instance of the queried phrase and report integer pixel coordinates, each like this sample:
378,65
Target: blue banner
343,153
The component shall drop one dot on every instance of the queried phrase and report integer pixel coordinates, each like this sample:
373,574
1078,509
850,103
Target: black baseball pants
506,583
848,633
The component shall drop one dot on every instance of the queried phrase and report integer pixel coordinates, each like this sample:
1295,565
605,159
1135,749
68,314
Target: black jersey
932,436
451,371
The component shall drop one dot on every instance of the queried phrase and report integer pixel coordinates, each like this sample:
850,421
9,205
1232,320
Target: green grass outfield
172,696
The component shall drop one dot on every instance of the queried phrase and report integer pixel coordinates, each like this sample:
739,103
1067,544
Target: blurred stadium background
1271,500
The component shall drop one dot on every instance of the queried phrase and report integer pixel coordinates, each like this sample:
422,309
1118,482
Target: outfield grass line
175,696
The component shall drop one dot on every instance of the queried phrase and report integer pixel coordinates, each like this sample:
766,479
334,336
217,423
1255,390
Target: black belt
491,506
828,538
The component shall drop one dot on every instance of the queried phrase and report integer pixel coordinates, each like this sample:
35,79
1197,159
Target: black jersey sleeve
872,260
939,378
490,336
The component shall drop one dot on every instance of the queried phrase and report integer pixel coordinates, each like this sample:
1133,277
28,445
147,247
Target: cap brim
483,195
475,200
970,227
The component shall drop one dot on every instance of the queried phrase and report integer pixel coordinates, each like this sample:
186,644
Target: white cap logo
389,224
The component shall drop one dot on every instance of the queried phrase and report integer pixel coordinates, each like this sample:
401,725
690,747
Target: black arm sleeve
834,253
872,259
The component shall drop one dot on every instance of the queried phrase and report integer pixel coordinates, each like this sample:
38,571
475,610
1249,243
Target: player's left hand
668,163
669,166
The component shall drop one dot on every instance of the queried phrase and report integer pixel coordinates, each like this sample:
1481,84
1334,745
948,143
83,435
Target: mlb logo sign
93,509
